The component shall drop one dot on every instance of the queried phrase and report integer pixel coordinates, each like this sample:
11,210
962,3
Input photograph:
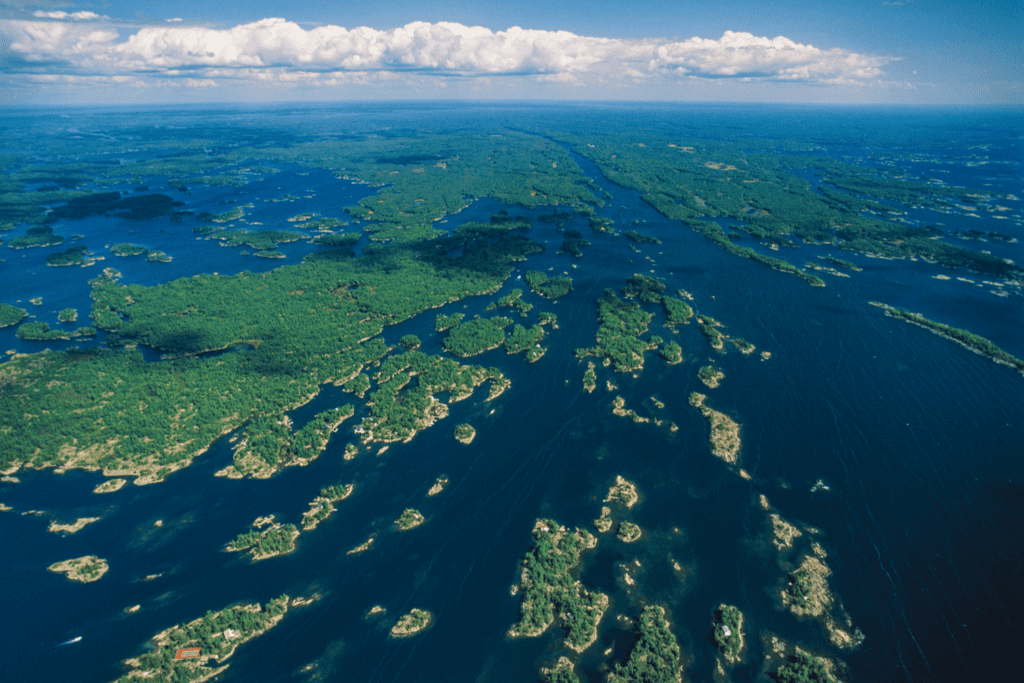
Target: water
917,438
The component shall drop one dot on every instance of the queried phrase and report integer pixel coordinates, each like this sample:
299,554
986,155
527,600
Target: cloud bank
84,44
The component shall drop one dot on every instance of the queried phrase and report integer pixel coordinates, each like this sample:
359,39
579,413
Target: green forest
548,589
655,657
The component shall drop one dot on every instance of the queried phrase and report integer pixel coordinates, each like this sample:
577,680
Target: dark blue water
918,439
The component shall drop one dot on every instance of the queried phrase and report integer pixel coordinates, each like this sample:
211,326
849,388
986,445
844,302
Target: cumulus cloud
287,52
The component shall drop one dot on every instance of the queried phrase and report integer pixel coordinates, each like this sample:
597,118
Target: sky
125,52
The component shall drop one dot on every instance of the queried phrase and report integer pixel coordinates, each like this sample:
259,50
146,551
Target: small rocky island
623,492
628,532
465,434
725,433
410,519
83,569
57,528
416,621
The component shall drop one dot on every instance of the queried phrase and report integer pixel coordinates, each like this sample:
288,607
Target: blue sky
856,51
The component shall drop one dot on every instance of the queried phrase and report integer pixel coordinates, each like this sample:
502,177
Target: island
213,638
725,433
159,257
655,656
82,569
363,547
110,486
36,236
410,519
416,621
67,315
623,492
80,523
968,340
465,434
438,486
807,592
604,523
728,633
711,376
550,593
40,331
276,539
672,352
804,668
128,249
590,378
676,310
549,288
321,507
515,300
561,672
709,327
11,315
628,532
618,335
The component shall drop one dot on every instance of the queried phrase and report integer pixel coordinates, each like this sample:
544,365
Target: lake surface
918,439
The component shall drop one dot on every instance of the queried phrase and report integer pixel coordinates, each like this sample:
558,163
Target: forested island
549,592
465,434
216,635
11,315
655,656
969,340
276,539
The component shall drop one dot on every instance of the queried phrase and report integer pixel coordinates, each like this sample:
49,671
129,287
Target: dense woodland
655,657
549,589
209,634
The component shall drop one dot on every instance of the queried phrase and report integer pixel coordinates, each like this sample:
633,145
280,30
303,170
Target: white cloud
76,16
283,51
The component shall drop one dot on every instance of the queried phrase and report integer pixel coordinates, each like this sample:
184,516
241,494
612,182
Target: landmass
67,315
672,352
321,507
216,636
82,569
590,378
604,522
655,656
728,633
618,335
465,434
725,433
362,547
561,672
410,519
550,593
968,340
438,486
11,315
80,523
277,539
628,532
110,486
416,621
623,492
711,376
549,288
